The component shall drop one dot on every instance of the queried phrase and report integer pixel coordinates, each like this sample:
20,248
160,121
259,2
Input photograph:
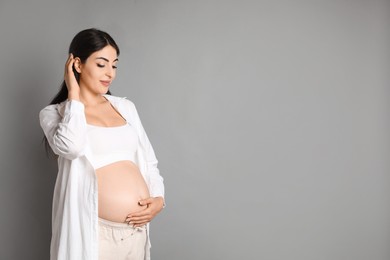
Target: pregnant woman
108,186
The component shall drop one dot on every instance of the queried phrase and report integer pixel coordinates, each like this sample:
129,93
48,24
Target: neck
91,99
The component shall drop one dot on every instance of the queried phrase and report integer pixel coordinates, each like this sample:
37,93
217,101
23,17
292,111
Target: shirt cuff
73,106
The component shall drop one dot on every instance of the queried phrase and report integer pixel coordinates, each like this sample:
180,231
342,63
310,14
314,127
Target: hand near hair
70,79
140,218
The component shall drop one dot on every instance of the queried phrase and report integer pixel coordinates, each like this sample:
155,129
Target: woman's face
98,71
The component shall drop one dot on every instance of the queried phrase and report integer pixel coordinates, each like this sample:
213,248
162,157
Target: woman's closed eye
102,66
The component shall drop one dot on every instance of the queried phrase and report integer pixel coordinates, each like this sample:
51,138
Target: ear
77,64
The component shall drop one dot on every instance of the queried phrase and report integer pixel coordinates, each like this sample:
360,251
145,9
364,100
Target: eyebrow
102,58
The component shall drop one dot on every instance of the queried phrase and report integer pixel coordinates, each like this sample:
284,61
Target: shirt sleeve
65,128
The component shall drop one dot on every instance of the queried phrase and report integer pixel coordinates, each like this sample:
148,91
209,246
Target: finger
70,58
68,63
152,210
140,214
140,218
71,63
139,223
137,220
145,201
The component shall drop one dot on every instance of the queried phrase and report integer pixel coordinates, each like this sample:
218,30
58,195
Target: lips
105,83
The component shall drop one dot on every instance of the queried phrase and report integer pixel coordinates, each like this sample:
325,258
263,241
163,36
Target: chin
104,91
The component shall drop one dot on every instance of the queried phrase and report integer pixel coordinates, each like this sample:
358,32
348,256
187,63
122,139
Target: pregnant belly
120,187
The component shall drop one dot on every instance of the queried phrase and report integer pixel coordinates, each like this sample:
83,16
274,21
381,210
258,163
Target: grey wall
270,120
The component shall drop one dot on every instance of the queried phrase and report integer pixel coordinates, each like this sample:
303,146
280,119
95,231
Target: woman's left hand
140,218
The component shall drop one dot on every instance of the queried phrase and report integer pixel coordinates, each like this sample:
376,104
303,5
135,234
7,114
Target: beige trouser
119,241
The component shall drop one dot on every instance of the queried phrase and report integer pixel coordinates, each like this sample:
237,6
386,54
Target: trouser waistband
112,224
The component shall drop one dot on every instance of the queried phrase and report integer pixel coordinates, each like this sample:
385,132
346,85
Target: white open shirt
75,200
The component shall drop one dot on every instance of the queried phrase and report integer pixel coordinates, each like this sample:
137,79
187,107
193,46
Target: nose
110,72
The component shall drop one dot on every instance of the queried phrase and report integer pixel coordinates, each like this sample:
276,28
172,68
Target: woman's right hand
70,79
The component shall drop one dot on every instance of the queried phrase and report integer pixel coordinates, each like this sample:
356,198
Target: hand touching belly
120,187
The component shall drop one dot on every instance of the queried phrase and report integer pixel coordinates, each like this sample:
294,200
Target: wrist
73,95
162,200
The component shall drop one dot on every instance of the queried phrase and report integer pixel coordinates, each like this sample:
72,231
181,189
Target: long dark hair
82,46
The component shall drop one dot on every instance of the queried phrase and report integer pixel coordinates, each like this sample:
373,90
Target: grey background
270,120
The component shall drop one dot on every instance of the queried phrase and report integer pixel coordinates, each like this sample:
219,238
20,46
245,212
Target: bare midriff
120,187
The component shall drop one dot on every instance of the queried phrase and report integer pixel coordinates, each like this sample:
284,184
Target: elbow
73,154
69,150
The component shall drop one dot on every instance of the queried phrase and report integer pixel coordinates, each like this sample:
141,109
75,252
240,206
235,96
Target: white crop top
112,144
